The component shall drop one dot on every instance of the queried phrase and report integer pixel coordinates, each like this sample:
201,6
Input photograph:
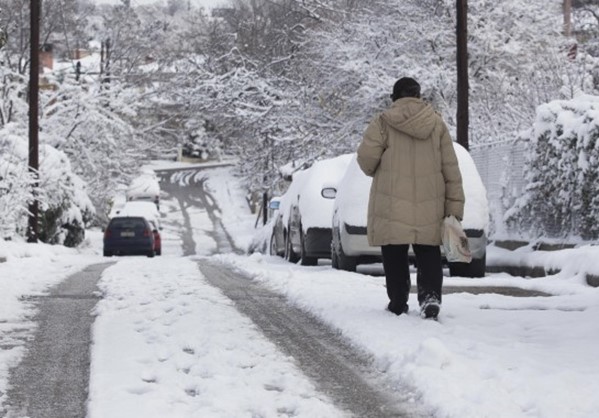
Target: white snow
166,343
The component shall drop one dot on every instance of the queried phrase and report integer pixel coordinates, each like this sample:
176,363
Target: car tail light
107,234
147,233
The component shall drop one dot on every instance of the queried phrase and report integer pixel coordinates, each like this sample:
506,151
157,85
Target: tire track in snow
338,370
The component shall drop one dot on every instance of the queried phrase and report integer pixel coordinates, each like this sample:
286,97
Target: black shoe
393,308
430,309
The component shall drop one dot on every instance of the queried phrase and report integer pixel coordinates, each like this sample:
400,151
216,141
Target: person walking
416,183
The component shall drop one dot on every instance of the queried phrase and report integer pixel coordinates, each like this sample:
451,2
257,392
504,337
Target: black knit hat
405,87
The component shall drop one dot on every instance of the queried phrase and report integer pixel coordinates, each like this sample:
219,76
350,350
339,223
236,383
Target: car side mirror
328,192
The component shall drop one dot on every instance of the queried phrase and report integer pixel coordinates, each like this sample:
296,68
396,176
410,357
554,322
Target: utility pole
34,67
462,70
107,52
567,18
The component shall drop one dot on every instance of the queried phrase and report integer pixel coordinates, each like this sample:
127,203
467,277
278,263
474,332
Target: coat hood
411,116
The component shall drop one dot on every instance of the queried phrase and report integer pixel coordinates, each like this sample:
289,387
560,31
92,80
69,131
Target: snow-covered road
169,342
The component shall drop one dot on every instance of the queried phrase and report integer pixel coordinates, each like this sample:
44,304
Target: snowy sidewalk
489,354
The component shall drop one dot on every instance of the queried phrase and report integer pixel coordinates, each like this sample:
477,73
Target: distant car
302,229
140,208
350,244
145,187
129,236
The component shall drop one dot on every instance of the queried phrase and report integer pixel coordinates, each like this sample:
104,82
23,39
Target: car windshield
127,224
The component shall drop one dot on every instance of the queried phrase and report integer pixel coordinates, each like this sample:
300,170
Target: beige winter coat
417,181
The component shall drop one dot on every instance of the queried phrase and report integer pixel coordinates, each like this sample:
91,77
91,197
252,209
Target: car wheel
476,268
151,254
334,261
107,253
290,255
341,261
305,260
273,245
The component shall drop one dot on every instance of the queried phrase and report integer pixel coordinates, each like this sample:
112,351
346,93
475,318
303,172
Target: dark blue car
129,236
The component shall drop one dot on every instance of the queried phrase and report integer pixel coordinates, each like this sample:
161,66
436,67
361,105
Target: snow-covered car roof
353,190
143,186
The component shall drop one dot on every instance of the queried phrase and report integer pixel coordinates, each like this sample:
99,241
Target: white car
302,229
350,244
144,187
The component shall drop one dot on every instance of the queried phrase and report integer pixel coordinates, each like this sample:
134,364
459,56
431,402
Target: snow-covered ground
166,343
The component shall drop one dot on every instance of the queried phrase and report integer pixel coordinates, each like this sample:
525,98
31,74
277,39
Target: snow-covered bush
64,206
15,184
561,198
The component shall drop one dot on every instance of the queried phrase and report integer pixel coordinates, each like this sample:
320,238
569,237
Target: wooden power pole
567,18
462,70
34,66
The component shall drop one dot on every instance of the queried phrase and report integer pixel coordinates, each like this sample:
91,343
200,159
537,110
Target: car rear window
127,223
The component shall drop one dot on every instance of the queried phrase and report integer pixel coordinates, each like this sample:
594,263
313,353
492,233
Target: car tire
107,253
151,254
334,260
290,255
304,259
476,268
340,261
273,245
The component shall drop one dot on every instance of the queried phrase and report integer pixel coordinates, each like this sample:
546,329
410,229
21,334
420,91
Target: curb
521,271
536,272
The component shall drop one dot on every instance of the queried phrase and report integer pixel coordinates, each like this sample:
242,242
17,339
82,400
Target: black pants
397,272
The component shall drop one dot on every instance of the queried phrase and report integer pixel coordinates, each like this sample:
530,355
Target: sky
166,343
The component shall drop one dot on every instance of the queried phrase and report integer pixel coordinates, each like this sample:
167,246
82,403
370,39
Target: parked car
349,241
302,228
280,221
131,235
144,187
148,211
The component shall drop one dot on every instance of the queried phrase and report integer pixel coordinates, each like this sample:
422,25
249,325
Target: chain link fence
502,168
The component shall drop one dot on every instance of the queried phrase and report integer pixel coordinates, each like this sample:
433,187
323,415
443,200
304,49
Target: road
52,379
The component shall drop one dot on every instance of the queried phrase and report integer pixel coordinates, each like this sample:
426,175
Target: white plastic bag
455,242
